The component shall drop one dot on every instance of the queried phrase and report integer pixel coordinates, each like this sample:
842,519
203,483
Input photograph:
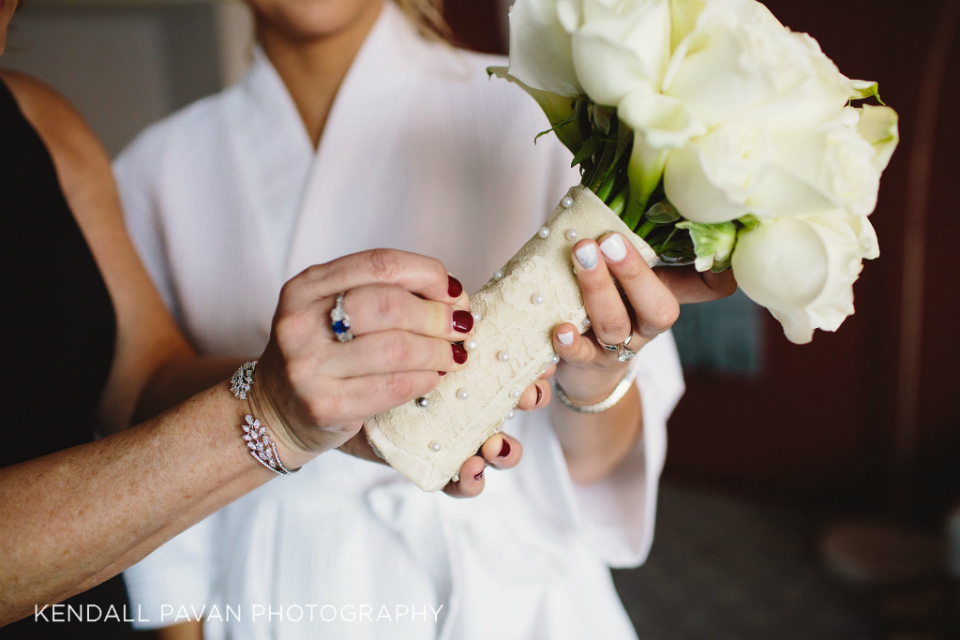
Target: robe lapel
337,214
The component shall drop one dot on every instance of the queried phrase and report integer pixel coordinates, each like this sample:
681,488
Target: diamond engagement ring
340,321
623,352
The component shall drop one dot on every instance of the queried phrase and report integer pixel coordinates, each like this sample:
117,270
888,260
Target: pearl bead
435,446
567,202
587,323
555,359
571,234
544,232
504,356
537,298
462,394
470,345
455,478
511,414
423,402
476,316
515,393
498,275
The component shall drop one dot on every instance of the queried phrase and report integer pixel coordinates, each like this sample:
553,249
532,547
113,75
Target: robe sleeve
179,574
614,517
139,175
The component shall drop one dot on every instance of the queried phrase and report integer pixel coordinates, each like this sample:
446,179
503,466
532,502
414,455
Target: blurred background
809,489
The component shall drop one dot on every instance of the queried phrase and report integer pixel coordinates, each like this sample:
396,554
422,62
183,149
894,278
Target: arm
74,518
595,445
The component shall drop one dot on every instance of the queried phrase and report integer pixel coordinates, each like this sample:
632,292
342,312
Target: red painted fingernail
478,477
459,353
462,321
454,288
504,449
539,396
442,373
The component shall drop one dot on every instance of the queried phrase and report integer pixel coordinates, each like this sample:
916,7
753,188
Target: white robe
225,201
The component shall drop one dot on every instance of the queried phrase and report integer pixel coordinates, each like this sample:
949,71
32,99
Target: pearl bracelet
262,448
618,392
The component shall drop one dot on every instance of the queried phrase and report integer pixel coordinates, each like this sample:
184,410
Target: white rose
620,47
739,59
803,269
739,168
540,55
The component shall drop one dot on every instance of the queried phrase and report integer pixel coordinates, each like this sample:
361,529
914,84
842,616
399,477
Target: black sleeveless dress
59,332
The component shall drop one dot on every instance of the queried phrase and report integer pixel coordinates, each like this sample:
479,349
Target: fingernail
454,288
565,338
478,477
614,248
539,394
587,256
442,373
462,321
459,353
504,449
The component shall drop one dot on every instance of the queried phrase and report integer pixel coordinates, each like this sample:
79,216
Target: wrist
590,386
292,451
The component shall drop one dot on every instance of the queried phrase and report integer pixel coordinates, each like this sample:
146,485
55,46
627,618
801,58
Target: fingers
502,451
356,399
379,307
689,286
611,321
536,396
655,306
471,479
570,345
418,274
390,352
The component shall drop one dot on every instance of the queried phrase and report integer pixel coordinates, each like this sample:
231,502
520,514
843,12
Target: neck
313,69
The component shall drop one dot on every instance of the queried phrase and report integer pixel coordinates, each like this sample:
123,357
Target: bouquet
707,133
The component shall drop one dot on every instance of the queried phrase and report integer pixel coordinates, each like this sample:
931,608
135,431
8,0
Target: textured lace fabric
429,444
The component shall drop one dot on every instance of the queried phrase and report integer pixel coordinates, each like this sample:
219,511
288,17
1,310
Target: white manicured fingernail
565,338
614,248
587,256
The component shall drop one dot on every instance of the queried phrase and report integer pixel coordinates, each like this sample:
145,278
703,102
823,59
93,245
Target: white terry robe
226,200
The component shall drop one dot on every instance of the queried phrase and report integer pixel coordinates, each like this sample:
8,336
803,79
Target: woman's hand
588,373
406,314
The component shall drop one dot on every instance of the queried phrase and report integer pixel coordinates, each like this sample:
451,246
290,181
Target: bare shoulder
80,159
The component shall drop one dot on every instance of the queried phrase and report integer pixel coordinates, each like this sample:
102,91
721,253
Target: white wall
127,64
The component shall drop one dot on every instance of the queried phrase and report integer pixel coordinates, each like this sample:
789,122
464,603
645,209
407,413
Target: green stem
606,187
619,201
644,230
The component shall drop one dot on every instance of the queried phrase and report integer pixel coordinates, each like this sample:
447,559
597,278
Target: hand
405,313
588,373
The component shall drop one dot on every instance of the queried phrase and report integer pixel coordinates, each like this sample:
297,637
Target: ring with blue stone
340,321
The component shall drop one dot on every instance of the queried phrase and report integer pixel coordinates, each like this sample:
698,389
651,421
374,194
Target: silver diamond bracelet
262,448
618,392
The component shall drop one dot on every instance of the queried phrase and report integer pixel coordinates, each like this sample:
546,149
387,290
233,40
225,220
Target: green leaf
586,150
865,89
663,213
713,244
750,221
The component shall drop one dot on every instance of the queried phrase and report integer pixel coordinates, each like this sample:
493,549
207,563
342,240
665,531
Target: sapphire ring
340,321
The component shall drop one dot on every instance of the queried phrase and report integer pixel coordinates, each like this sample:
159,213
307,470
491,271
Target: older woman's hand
588,373
406,314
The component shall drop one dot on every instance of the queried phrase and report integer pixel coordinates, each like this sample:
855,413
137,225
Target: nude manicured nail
614,248
454,288
459,353
565,338
587,256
